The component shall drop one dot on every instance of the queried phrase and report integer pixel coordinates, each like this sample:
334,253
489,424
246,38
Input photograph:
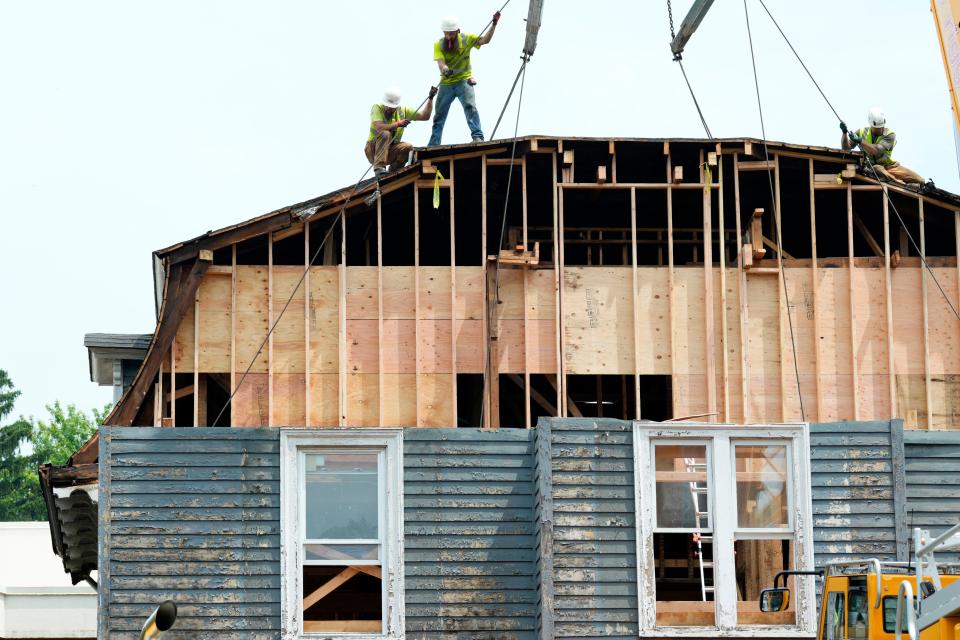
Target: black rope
522,69
869,164
903,224
776,208
503,222
695,102
812,79
678,58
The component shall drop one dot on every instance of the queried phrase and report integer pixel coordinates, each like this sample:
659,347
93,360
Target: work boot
379,172
478,138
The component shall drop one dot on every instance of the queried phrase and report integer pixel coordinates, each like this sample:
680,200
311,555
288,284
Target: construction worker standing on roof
452,53
387,123
877,143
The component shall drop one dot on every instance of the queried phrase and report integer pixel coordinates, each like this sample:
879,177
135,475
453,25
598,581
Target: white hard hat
391,97
876,117
450,23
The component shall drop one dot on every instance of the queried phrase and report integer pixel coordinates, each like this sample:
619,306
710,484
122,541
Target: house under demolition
594,289
569,277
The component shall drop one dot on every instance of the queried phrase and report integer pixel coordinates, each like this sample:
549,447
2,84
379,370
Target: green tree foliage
26,444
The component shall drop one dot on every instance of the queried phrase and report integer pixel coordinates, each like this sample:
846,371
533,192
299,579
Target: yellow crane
946,18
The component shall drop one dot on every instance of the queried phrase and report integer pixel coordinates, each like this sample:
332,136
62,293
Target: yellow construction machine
876,600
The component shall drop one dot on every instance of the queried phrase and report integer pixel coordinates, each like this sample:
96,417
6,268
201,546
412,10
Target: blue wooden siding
853,476
192,515
594,528
470,561
933,482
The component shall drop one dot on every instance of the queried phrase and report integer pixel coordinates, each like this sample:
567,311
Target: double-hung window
342,534
721,510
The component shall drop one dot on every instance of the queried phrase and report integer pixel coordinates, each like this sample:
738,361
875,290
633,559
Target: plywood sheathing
382,345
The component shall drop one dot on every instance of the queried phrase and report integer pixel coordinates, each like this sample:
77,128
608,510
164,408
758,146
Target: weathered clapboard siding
594,576
470,556
854,472
933,482
192,515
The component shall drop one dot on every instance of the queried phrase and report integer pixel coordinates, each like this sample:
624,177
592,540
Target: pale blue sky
127,126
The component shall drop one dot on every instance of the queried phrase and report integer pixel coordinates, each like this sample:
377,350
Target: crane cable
776,208
678,58
870,166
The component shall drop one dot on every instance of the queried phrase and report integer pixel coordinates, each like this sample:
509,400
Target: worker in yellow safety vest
452,54
877,143
387,123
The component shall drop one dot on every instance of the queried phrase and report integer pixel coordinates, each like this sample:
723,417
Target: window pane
682,489
757,563
342,599
341,495
833,625
762,500
684,584
345,552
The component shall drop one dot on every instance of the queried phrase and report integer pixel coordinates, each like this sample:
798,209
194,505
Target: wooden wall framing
386,345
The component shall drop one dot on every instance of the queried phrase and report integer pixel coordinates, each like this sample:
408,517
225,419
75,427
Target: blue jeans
468,98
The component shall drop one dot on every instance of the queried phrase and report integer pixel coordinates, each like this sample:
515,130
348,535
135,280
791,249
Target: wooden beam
756,234
307,263
815,282
416,300
562,405
869,236
213,240
381,404
453,299
709,321
503,162
758,165
926,318
853,332
678,174
196,358
612,150
233,330
888,282
558,283
725,359
329,587
635,284
534,394
782,308
671,292
742,296
342,324
526,302
172,313
487,342
173,381
601,174
270,313
342,626
767,242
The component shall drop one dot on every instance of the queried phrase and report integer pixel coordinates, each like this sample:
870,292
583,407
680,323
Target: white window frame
721,440
294,443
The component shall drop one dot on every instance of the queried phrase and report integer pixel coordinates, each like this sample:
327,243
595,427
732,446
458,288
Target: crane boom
689,25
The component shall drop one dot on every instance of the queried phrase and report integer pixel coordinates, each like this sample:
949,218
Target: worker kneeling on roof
877,143
452,53
387,123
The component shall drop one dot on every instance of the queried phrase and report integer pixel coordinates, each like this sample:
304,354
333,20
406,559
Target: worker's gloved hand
404,123
433,93
843,126
447,72
472,82
496,18
854,138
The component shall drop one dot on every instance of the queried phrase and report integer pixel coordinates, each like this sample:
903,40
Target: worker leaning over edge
452,53
877,143
387,123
